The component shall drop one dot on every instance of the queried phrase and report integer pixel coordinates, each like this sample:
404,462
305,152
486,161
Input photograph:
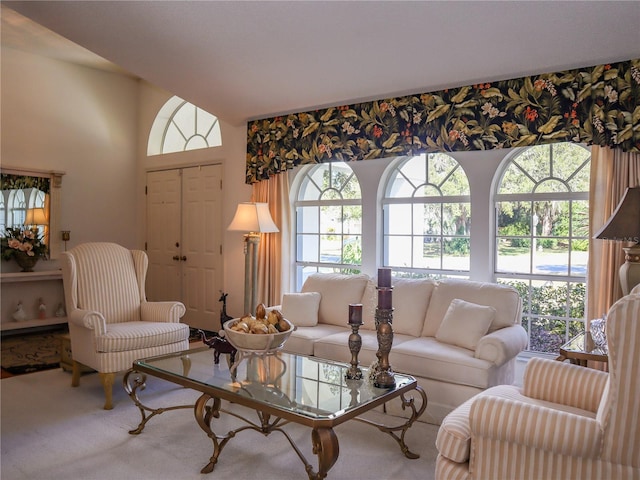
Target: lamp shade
253,217
624,224
36,216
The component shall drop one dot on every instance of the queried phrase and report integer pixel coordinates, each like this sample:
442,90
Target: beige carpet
50,430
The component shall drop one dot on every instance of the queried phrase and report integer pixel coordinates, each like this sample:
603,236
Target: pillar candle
384,298
355,313
384,277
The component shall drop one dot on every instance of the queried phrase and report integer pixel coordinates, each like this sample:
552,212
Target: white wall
59,116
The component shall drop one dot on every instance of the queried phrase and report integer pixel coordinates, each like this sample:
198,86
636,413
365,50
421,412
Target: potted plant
26,246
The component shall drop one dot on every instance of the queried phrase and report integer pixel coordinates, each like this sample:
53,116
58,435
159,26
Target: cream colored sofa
454,349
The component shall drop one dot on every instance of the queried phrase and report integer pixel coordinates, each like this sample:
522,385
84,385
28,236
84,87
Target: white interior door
202,245
163,235
184,241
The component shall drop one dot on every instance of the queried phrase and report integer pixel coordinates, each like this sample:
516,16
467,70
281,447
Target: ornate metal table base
324,440
134,381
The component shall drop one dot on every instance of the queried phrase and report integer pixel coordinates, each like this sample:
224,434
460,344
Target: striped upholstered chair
566,422
111,324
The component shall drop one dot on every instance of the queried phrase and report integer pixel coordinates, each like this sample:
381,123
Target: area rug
51,431
31,352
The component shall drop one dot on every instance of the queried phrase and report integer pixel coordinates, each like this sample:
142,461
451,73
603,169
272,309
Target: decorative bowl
256,342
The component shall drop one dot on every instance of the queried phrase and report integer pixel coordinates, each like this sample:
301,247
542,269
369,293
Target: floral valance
21,182
597,105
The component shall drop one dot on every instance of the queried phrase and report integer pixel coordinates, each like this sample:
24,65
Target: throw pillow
465,323
301,309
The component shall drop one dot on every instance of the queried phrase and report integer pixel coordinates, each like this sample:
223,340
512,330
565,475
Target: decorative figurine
220,345
42,309
223,313
19,314
60,311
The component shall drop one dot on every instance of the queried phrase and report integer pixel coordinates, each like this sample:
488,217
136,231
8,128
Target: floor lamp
255,219
624,226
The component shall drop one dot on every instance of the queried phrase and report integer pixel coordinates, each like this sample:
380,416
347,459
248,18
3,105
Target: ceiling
242,60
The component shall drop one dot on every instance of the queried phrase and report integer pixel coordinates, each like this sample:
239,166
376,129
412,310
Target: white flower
611,94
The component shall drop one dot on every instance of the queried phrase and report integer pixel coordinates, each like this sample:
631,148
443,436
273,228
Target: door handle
176,258
183,258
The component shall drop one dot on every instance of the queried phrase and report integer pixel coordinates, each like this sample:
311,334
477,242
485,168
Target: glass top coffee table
279,388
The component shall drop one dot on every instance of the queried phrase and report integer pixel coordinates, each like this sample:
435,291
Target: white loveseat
454,352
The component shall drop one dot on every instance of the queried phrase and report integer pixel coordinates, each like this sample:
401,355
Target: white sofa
454,353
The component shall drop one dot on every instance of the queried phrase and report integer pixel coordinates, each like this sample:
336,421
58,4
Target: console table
28,287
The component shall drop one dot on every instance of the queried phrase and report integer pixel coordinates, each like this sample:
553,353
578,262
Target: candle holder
355,344
383,376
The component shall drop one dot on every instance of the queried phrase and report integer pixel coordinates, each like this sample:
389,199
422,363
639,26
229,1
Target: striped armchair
565,422
111,324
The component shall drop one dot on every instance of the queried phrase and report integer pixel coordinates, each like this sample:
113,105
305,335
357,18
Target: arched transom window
181,126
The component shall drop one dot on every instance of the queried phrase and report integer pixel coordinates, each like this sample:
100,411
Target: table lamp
36,217
255,219
624,226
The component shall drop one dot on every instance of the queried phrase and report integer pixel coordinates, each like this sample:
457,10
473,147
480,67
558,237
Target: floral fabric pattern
598,105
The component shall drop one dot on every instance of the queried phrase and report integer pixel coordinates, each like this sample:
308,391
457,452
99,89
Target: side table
581,349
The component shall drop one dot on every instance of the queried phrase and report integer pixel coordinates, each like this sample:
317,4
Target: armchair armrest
502,345
170,312
89,319
535,427
564,383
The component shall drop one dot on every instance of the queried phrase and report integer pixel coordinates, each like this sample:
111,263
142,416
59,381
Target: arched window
427,217
181,126
328,213
541,232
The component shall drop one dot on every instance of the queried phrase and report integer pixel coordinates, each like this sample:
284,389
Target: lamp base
630,269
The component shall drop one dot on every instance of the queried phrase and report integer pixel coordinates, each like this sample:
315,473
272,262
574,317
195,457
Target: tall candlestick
384,277
384,297
355,313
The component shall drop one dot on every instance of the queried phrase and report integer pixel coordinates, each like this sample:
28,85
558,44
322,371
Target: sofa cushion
336,346
121,337
465,323
410,300
338,291
301,309
303,339
503,298
369,304
427,357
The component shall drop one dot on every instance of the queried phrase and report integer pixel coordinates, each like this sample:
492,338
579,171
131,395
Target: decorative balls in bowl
258,334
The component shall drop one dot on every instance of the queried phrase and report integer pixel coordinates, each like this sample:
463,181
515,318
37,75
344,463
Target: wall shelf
28,287
33,323
14,277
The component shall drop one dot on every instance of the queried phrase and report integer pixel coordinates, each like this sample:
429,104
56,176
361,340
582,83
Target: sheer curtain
272,273
612,171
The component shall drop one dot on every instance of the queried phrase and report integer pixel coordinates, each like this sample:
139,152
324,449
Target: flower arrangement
28,241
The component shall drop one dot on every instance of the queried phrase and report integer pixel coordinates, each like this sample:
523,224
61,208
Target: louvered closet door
186,260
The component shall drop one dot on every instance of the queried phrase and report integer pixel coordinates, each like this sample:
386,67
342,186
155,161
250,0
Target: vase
25,261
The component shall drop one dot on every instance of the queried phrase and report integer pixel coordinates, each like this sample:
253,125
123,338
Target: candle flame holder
355,344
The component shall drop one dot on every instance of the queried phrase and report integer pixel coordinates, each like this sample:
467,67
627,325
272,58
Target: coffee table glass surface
305,386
